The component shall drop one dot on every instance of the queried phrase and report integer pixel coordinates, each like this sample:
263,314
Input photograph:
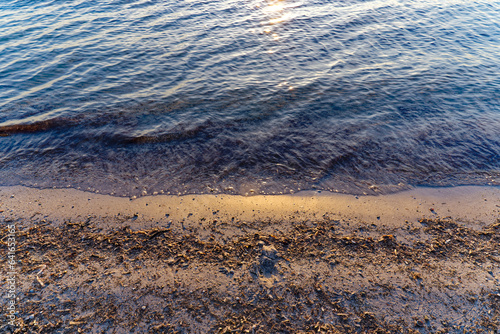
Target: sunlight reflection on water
204,96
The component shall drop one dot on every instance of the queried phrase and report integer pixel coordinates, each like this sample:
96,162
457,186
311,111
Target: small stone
419,323
268,259
270,252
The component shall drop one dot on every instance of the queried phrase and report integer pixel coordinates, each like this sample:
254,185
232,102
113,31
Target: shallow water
131,97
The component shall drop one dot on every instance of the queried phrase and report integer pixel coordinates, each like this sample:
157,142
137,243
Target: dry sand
420,261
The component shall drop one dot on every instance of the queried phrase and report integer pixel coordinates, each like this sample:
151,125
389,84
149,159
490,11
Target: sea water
132,97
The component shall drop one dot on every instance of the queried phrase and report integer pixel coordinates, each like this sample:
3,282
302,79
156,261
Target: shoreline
420,261
469,203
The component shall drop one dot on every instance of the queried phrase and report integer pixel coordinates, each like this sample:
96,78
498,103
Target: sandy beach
425,260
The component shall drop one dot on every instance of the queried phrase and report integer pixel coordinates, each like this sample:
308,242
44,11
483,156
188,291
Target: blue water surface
136,97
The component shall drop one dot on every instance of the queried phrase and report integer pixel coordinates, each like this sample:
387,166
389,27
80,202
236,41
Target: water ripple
126,96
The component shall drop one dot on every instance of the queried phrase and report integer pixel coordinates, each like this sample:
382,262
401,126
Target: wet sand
420,261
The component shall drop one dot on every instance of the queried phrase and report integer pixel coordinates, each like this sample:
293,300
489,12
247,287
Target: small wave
39,126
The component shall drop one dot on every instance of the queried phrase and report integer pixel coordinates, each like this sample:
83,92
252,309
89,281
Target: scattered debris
332,278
